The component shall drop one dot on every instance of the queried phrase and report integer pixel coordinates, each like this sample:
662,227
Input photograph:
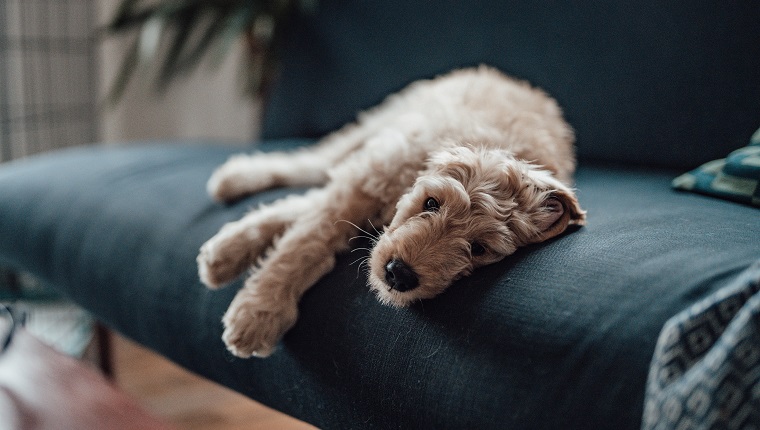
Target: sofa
561,334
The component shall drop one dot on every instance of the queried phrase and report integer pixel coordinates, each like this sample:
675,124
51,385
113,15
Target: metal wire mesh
48,75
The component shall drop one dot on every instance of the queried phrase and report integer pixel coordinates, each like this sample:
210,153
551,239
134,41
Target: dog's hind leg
246,174
238,245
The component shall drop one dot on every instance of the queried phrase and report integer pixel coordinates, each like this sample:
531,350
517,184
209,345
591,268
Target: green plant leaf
212,32
183,23
128,66
149,39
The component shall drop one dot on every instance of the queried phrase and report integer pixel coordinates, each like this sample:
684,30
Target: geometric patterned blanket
705,373
736,177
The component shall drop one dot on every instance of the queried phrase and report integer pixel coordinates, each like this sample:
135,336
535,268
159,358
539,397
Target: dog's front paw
254,323
220,260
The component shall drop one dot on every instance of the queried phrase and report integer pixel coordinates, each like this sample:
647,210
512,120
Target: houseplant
175,35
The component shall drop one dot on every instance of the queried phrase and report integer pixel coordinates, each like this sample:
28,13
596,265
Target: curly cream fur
493,151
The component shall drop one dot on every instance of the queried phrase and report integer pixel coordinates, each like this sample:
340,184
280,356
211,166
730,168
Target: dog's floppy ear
558,210
554,206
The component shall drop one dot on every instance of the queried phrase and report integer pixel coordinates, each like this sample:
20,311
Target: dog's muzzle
400,276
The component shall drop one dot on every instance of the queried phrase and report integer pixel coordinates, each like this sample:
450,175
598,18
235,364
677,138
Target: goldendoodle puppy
461,170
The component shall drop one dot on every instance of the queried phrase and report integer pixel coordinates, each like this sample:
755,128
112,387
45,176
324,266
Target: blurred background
57,68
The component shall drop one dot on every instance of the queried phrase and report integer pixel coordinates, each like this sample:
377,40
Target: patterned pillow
736,177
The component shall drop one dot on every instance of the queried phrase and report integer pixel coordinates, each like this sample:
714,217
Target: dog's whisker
362,249
371,239
358,260
373,227
369,235
363,262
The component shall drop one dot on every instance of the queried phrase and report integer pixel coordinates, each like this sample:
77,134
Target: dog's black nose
400,276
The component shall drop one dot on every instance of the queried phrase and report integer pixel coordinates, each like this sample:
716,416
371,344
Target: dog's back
480,107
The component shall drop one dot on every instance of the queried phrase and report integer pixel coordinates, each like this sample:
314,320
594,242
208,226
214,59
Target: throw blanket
706,368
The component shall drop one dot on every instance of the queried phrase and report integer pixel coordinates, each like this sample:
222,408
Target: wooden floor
186,400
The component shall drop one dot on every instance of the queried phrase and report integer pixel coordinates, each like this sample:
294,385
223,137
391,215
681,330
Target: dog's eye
431,205
477,249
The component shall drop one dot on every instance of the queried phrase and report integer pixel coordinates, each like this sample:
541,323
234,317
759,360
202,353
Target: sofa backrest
664,83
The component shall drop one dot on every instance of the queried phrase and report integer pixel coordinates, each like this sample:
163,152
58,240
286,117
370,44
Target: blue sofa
559,335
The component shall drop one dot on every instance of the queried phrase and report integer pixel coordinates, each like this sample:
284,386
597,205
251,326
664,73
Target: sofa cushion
559,335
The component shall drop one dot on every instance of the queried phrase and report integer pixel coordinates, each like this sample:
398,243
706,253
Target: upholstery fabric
648,82
559,335
705,373
736,177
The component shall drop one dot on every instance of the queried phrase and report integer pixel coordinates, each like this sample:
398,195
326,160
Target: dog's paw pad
214,270
240,343
253,327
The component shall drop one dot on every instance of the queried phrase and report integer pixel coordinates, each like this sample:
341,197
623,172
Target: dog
461,170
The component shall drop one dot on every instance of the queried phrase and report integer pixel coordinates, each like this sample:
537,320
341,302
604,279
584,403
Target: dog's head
469,208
